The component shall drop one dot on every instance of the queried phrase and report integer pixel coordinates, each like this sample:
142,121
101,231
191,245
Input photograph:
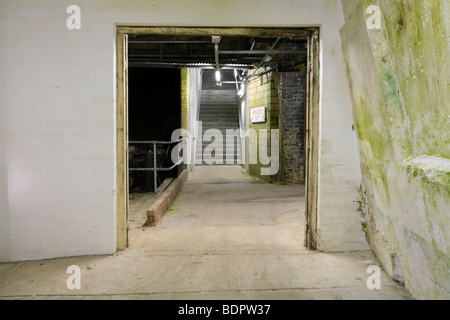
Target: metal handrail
157,142
156,169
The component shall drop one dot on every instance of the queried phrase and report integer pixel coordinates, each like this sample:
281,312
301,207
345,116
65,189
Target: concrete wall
195,85
57,118
191,82
399,76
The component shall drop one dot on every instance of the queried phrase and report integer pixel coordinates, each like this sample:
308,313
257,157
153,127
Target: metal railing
155,169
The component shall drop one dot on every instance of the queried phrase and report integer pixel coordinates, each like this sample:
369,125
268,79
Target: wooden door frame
312,93
312,105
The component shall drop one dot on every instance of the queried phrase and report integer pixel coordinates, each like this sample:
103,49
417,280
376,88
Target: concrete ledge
432,169
159,207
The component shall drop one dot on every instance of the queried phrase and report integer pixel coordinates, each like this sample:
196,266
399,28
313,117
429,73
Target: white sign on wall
258,115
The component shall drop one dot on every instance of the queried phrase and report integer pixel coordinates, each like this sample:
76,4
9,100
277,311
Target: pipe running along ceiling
216,51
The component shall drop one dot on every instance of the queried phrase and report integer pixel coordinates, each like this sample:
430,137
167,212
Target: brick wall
291,91
283,95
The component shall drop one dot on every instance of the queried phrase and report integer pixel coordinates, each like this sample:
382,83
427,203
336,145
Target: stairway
219,110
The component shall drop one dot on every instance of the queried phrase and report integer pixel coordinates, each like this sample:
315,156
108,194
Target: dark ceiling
237,51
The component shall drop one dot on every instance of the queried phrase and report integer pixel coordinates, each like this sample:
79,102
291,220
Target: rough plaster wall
399,82
339,224
57,136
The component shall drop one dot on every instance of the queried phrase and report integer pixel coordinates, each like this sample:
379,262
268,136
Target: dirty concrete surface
227,236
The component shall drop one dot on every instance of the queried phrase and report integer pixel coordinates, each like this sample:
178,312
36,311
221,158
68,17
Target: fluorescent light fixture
241,90
218,75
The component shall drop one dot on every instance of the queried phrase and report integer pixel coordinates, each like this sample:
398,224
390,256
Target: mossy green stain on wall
394,112
184,98
402,112
431,171
376,148
437,267
390,88
420,49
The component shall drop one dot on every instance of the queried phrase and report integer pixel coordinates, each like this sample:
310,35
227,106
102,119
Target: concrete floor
226,236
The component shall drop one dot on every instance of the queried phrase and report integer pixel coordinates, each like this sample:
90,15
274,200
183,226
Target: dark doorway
154,113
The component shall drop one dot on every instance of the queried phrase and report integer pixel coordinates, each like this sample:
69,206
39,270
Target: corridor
226,236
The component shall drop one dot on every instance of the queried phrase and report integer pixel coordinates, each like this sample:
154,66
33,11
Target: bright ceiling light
218,77
241,90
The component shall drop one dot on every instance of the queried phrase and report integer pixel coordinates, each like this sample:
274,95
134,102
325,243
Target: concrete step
215,97
228,123
231,155
224,154
218,115
225,146
224,159
208,137
214,102
224,150
225,104
222,115
223,162
225,86
218,109
217,164
232,123
230,138
221,125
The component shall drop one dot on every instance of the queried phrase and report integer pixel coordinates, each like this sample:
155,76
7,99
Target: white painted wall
195,86
57,117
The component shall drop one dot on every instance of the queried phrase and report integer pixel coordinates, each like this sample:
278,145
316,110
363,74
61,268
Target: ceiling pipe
166,42
273,46
216,41
258,52
279,68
